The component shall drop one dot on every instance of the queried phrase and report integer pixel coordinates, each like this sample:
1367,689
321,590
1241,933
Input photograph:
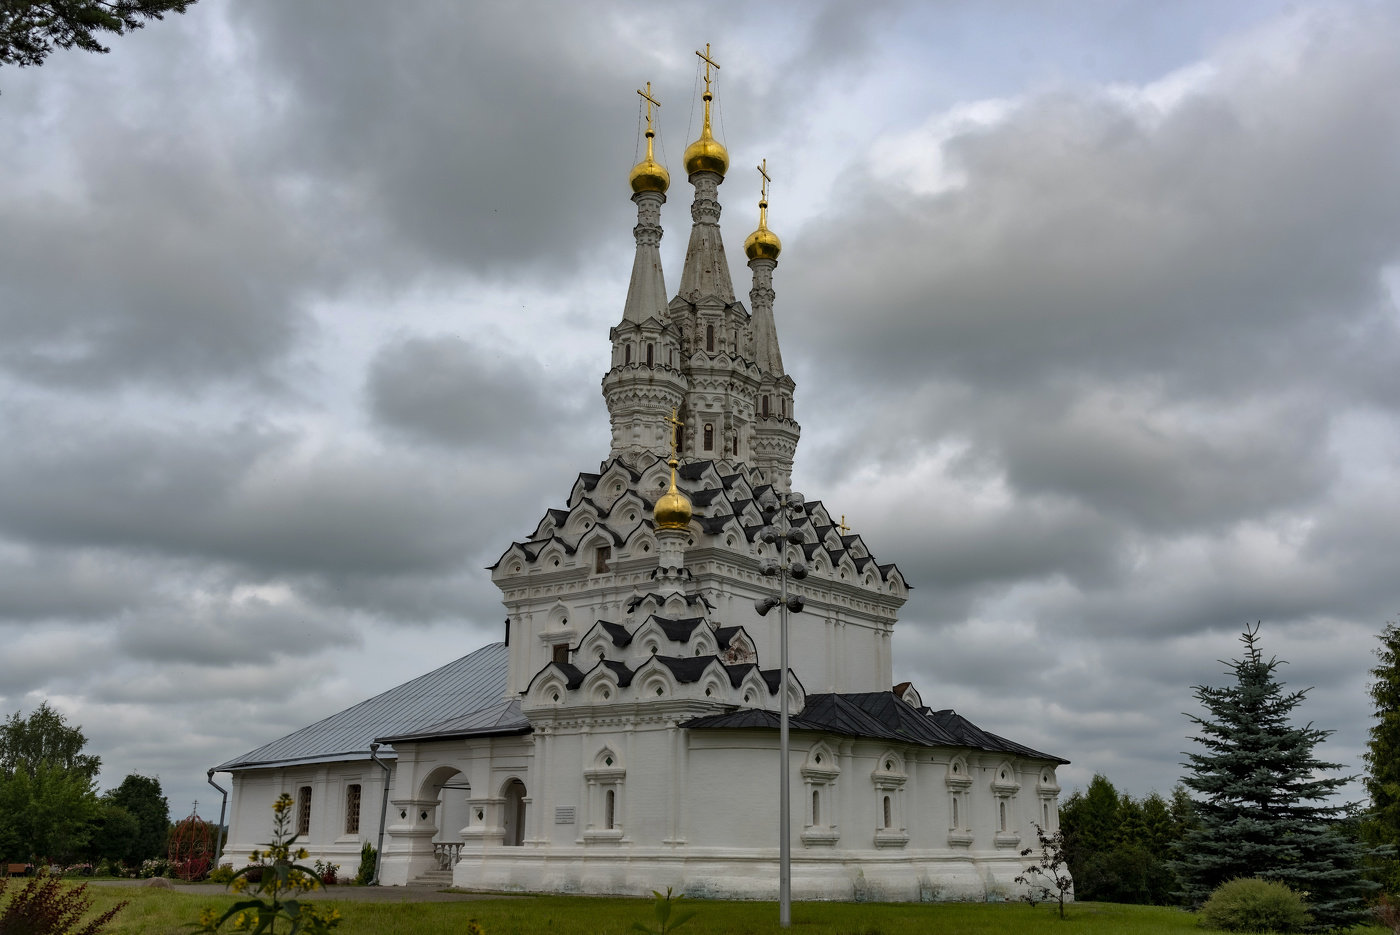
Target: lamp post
778,511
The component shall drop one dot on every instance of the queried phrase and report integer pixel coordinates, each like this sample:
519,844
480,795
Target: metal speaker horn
768,567
764,604
798,570
795,604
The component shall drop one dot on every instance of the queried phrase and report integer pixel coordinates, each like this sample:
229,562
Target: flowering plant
277,884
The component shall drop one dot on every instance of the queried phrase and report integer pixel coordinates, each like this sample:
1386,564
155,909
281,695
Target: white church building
624,735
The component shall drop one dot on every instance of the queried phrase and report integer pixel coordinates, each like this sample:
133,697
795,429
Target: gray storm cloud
1130,349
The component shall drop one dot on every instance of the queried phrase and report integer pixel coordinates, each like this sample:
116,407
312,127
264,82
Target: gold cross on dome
763,186
651,102
843,527
705,57
675,423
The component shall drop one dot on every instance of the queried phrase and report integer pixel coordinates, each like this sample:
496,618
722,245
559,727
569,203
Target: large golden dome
649,175
672,511
706,154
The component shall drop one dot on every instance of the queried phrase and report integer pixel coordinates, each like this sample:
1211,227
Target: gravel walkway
358,894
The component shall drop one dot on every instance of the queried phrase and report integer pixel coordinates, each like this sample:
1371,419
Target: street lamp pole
779,531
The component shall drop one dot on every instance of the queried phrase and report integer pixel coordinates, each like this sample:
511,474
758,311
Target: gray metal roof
503,717
475,681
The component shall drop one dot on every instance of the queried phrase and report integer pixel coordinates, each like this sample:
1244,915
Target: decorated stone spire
646,295
645,381
762,248
706,271
776,431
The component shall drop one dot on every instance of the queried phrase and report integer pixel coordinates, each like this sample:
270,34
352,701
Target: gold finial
706,154
649,175
673,510
843,527
763,244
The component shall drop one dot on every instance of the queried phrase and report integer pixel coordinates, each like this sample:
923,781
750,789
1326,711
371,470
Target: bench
18,870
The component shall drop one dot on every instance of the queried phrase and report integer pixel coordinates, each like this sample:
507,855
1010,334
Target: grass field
158,912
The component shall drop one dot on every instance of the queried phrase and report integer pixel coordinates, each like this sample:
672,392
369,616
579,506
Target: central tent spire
706,271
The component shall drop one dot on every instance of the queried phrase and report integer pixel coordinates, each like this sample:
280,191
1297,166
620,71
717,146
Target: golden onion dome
672,511
763,244
649,175
706,154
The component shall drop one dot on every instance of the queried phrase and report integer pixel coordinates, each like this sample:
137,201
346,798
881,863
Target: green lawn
157,912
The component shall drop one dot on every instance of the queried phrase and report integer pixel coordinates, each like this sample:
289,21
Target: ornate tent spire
646,295
706,270
762,248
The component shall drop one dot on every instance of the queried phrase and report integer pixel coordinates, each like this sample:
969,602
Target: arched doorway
514,813
453,813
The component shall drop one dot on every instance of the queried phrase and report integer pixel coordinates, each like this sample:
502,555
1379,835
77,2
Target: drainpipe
383,813
219,834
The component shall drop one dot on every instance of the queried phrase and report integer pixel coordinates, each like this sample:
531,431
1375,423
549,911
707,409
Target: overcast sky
1091,308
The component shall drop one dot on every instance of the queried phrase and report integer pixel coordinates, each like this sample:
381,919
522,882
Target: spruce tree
1262,808
1382,823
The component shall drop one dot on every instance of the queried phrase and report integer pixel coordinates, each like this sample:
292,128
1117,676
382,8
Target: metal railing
447,855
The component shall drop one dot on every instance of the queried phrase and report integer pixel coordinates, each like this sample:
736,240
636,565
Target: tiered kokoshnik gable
702,355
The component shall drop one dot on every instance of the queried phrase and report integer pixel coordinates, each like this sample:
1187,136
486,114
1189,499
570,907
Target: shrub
1249,904
221,874
368,855
46,907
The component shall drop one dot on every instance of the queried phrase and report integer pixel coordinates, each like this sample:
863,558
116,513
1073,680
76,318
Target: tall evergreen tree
1381,825
1262,809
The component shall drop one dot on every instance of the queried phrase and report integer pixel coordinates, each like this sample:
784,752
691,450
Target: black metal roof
878,716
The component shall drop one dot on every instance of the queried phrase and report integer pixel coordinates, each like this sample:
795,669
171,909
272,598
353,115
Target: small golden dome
672,511
706,154
763,244
649,175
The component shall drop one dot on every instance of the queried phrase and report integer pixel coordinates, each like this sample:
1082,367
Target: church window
561,653
651,350
710,338
600,558
709,436
304,810
784,407
748,697
1001,809
660,691
1045,810
816,807
888,822
646,546
671,357
610,810
765,405
628,353
352,809
736,444
955,811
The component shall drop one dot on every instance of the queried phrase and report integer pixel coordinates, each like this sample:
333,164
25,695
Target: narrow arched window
955,812
304,810
816,807
1002,811
627,355
709,437
887,812
651,350
736,444
671,357
765,405
784,407
610,810
352,809
710,338
680,439
1045,810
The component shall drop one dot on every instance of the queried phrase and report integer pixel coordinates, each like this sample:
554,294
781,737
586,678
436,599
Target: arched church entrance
453,815
515,795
